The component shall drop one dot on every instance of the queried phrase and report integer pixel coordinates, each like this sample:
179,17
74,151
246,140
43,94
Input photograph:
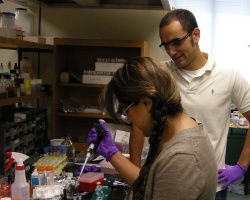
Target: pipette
93,146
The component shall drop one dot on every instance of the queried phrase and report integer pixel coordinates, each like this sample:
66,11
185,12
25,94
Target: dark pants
221,195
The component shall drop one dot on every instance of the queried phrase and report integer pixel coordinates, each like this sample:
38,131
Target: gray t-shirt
185,169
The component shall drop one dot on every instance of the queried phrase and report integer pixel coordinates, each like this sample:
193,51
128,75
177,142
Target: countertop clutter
53,177
54,173
93,184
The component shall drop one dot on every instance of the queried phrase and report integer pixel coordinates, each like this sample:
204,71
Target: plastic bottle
26,68
70,152
17,69
20,188
41,176
50,175
22,20
10,85
27,86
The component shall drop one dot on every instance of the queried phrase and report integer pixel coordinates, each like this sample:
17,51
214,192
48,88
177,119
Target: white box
20,115
122,140
50,40
107,67
96,79
37,39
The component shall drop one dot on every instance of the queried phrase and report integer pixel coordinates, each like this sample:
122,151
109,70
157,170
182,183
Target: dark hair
185,17
143,77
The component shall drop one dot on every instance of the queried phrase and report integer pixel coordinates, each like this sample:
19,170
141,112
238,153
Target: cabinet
77,55
235,142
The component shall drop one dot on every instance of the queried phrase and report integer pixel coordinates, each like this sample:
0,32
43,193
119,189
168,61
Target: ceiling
117,4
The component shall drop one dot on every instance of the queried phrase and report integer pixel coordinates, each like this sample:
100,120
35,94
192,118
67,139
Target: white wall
117,24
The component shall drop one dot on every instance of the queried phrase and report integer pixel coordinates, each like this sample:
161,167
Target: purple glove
230,174
106,148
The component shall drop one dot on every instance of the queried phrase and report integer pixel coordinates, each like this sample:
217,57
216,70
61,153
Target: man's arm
136,142
244,159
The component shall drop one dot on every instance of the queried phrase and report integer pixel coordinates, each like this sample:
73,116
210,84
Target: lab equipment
101,192
88,181
106,148
41,176
49,175
70,152
93,146
20,188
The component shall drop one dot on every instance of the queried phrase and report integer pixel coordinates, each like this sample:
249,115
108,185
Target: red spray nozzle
15,157
8,154
11,161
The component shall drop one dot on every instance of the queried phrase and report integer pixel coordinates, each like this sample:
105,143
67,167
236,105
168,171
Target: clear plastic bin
8,20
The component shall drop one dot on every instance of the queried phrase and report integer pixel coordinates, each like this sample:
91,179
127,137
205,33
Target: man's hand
230,174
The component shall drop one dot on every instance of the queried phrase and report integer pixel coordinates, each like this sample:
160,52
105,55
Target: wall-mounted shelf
9,101
23,46
84,115
81,85
9,43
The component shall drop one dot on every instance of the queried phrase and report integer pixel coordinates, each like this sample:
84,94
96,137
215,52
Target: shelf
77,55
98,43
10,43
84,115
9,101
81,85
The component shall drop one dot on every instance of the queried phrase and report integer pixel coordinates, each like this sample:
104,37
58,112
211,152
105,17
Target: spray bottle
20,188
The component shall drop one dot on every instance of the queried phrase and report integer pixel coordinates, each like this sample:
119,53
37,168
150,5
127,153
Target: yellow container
27,87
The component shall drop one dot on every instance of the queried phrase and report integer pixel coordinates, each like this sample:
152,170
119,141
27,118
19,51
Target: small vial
50,175
98,190
41,176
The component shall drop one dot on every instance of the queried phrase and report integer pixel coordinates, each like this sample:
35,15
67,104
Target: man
207,89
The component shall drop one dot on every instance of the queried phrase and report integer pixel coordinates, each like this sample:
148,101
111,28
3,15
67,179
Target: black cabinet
235,143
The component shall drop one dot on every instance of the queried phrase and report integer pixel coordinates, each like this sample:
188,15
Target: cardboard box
50,40
96,79
122,140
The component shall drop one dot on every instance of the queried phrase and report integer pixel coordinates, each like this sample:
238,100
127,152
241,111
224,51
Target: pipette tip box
89,180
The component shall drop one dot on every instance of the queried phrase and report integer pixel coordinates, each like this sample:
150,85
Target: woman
181,163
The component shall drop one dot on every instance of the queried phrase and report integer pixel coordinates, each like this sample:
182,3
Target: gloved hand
230,174
106,148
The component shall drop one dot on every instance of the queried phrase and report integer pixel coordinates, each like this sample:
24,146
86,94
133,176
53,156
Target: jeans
221,195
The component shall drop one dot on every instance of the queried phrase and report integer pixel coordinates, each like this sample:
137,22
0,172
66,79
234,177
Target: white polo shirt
208,97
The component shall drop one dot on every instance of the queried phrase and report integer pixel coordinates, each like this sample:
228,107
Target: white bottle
20,188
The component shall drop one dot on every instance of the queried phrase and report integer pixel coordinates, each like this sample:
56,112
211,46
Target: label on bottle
20,191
